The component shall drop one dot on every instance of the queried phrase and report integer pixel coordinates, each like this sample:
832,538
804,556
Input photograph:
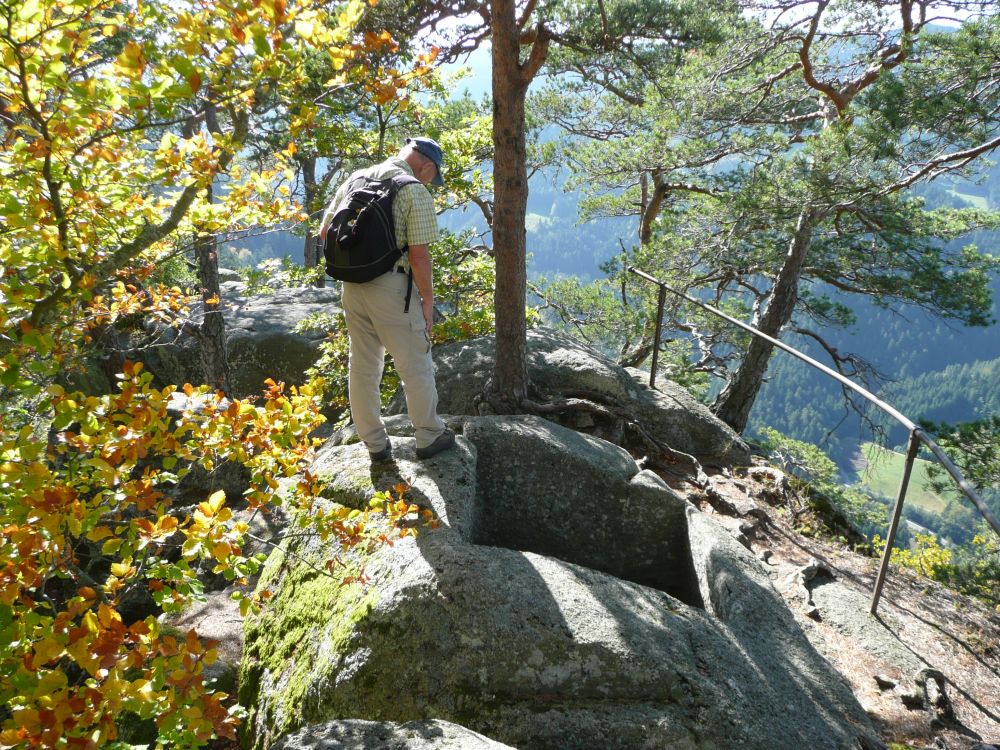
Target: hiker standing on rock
375,235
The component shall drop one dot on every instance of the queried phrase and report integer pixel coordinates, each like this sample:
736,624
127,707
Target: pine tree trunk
734,403
651,202
212,330
509,385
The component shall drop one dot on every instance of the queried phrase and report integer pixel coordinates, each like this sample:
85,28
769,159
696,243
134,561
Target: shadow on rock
515,617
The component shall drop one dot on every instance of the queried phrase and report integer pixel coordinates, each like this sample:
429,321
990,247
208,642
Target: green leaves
98,486
132,60
10,376
30,12
717,152
113,118
975,448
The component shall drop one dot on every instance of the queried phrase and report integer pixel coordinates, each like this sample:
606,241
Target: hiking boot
443,442
383,455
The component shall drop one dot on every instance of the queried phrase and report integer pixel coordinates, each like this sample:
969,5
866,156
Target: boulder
847,611
229,275
566,600
355,734
232,289
260,339
216,619
523,466
560,365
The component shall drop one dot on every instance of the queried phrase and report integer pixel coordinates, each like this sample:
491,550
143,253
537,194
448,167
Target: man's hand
420,263
428,308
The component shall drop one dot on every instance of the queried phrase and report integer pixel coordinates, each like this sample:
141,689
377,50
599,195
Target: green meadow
885,471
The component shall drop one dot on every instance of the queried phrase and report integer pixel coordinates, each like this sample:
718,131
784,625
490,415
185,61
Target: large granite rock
260,339
230,276
567,600
527,467
355,734
559,364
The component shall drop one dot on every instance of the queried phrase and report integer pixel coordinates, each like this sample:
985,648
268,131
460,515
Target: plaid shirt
412,209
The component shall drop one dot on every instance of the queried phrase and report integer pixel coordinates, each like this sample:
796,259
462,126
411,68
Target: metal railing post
911,453
916,434
661,302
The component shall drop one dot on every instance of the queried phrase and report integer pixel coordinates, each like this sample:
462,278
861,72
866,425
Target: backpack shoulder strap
404,179
359,181
400,181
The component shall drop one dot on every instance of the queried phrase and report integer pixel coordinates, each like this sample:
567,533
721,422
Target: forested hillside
928,368
559,243
958,393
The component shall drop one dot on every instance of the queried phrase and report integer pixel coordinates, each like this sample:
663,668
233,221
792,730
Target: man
376,314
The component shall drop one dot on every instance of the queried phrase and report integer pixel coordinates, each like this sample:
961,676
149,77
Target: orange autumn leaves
87,522
119,677
103,182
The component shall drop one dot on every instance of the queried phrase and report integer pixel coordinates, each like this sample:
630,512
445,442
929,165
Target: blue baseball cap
428,147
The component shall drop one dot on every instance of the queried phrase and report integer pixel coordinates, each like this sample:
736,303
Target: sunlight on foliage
272,274
123,134
972,568
88,521
928,557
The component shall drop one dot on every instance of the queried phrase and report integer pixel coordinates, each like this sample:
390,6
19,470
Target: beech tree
117,120
775,167
354,108
348,113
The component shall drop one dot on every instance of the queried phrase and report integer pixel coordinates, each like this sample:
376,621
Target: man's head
426,159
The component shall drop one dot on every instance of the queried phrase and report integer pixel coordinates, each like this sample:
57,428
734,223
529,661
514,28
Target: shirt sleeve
421,227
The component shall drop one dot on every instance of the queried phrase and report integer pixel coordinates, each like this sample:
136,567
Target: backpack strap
409,290
404,179
398,182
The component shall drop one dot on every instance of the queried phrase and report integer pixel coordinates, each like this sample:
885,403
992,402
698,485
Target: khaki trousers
376,323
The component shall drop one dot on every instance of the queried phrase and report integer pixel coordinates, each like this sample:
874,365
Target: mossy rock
526,648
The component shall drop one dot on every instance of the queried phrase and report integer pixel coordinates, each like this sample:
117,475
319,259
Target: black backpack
361,241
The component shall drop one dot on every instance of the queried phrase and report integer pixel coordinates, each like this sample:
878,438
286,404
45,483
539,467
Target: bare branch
807,67
536,58
486,207
937,166
651,209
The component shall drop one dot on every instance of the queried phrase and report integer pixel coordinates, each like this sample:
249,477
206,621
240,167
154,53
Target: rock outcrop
260,339
262,343
559,365
567,600
354,734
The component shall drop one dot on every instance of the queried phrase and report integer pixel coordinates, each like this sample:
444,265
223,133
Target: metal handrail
917,435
